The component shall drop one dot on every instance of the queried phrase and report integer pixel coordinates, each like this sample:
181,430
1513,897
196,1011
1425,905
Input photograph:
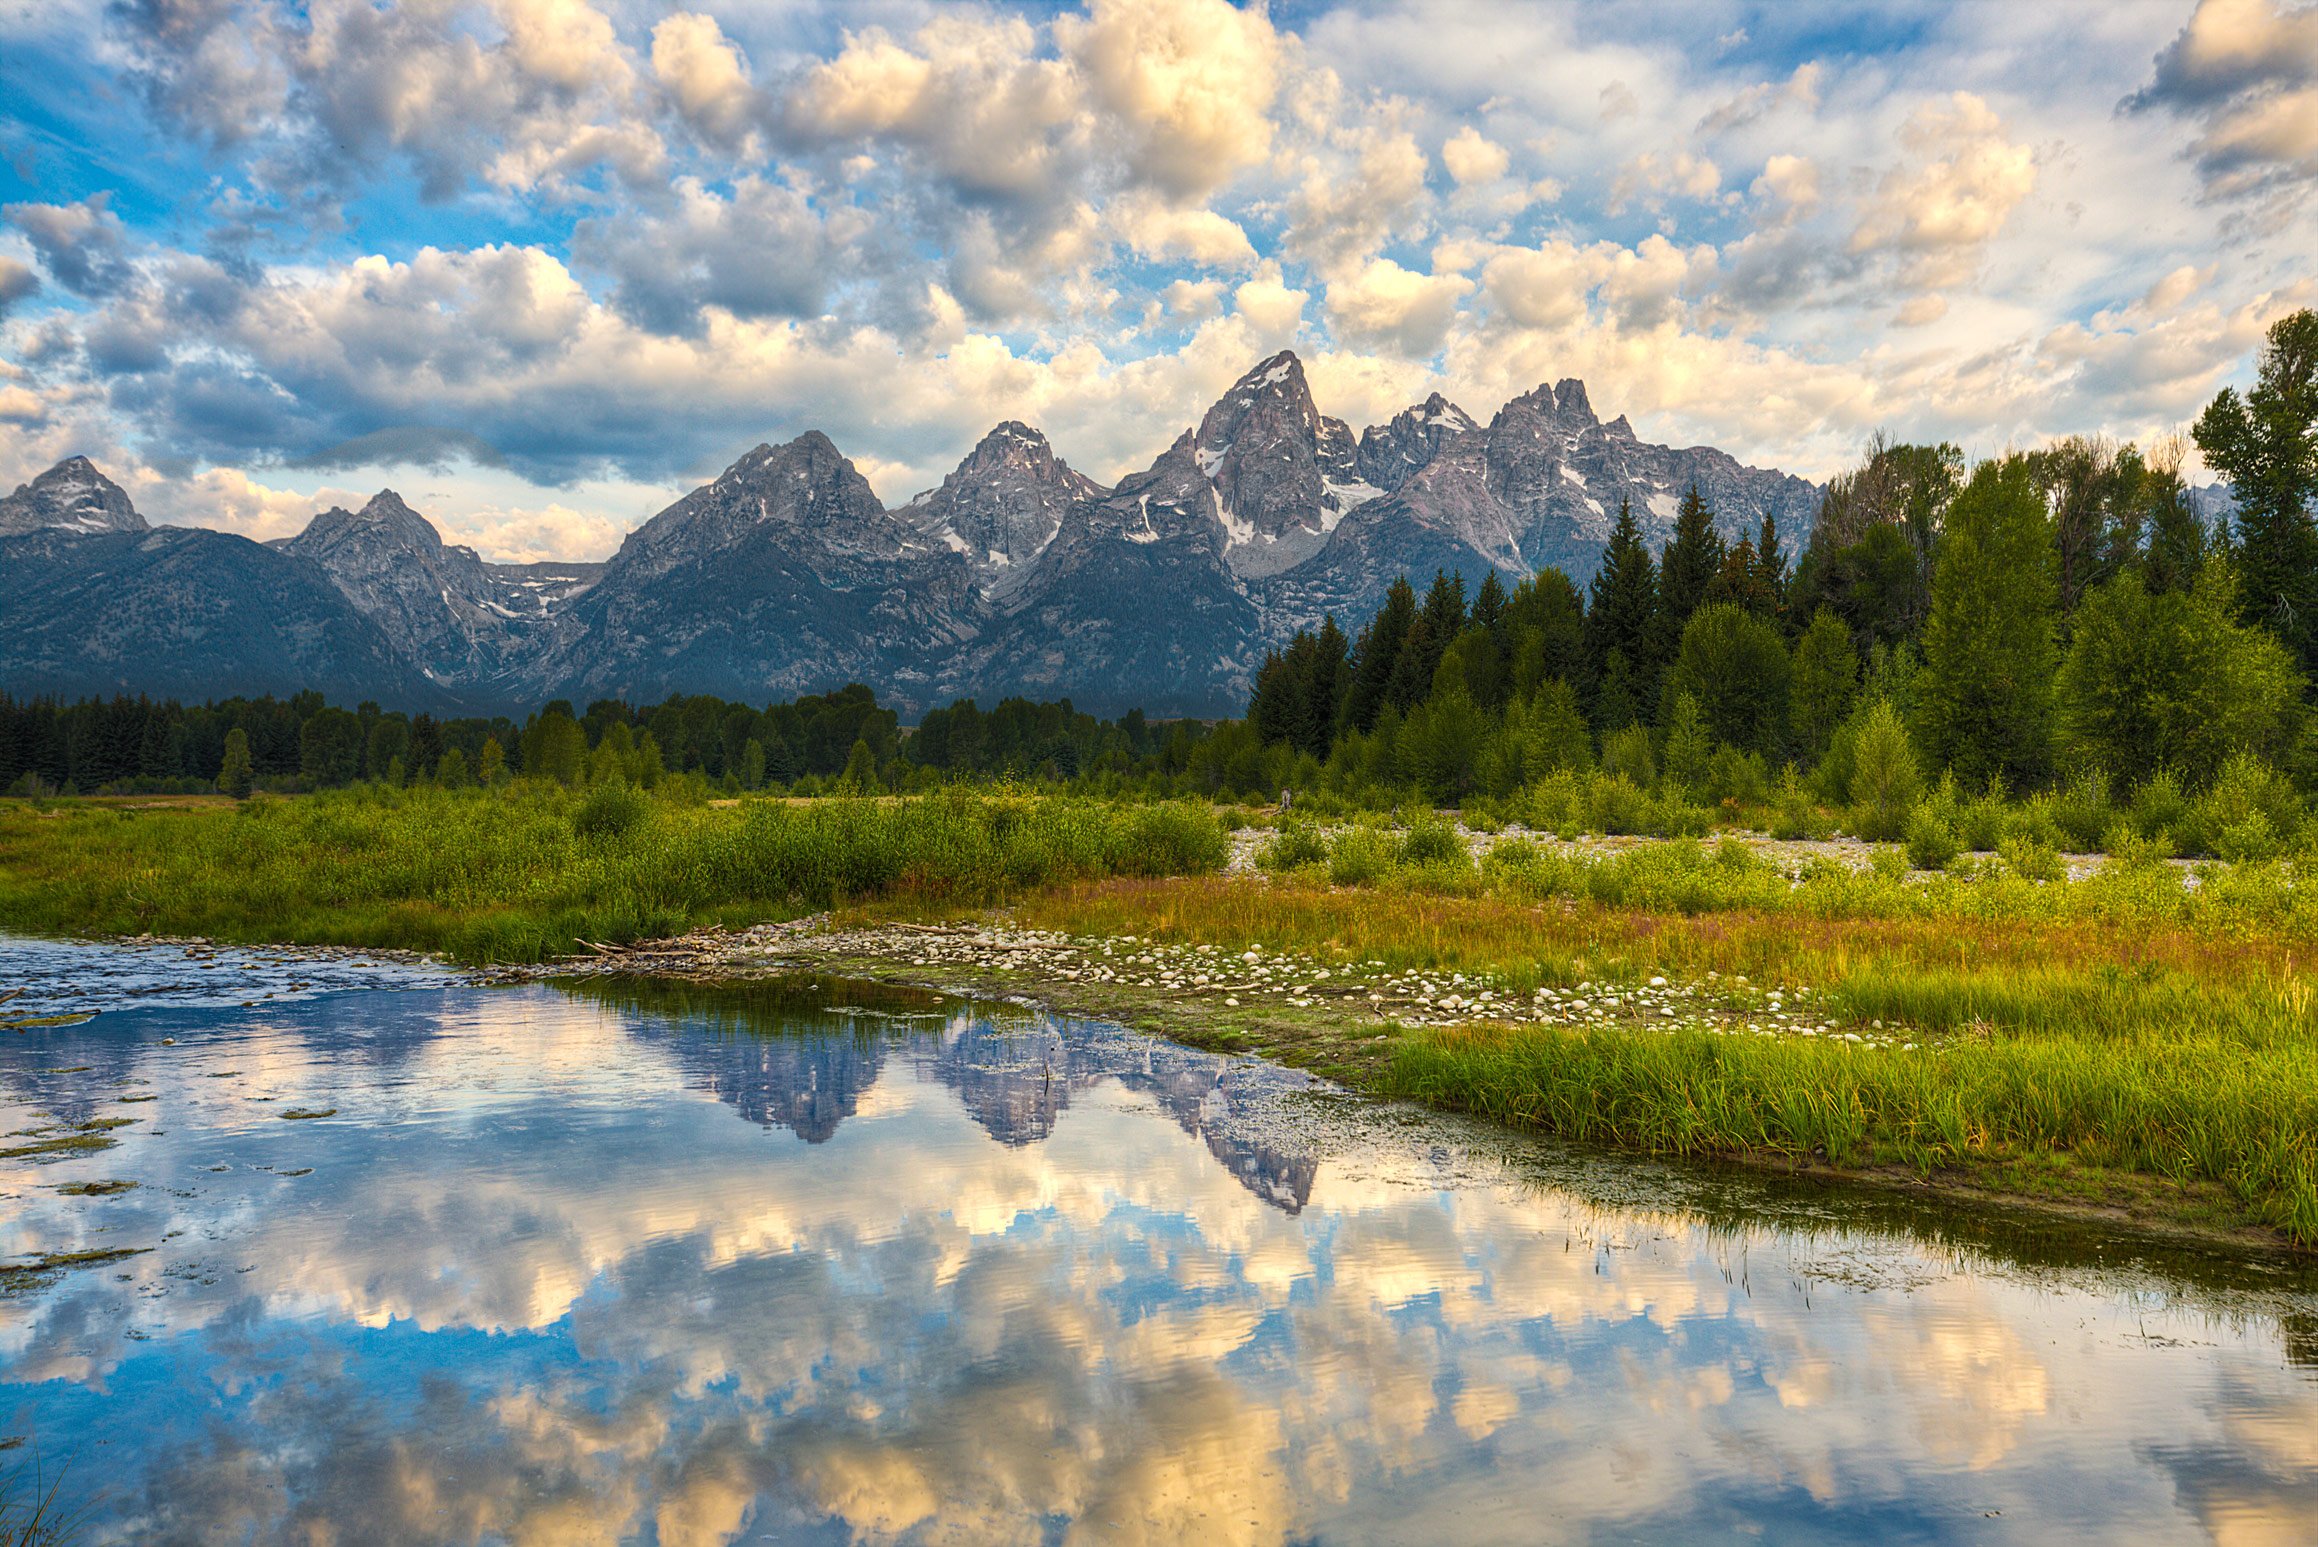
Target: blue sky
543,264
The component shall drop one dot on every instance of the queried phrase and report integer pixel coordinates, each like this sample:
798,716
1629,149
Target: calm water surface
814,1263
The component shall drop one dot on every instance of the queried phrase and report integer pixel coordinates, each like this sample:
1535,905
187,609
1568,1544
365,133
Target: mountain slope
784,576
187,613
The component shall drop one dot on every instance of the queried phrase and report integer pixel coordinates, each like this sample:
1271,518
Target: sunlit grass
530,872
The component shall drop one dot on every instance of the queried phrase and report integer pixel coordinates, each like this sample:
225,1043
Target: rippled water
815,1263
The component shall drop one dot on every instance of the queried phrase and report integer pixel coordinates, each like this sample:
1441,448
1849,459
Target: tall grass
2110,1030
529,872
2190,1108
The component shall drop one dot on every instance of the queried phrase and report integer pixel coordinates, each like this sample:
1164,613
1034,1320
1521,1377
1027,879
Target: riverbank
1639,1040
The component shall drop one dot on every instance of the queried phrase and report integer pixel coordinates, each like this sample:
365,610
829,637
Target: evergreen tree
1984,700
235,776
1692,558
1377,652
2176,543
1618,704
1621,622
1489,604
1689,744
451,772
1771,565
1331,681
491,767
1413,668
2266,444
860,774
1546,623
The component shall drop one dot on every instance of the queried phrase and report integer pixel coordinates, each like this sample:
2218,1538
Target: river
419,1261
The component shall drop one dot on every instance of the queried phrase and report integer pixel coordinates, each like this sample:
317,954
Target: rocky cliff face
784,576
436,603
1001,507
1016,575
70,497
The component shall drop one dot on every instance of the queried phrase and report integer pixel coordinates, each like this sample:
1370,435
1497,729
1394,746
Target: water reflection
1038,1282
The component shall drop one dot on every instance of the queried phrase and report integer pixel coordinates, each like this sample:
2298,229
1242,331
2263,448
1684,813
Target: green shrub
611,811
1617,805
1172,838
2159,806
1431,841
2251,811
1931,841
1294,846
2081,809
1794,814
1980,822
1626,754
1359,856
2130,850
2031,858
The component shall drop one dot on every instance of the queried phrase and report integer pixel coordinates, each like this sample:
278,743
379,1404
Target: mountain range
786,575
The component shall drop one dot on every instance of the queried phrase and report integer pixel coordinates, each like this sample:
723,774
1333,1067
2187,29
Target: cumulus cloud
83,246
1189,83
1383,303
16,282
706,76
515,95
1155,229
762,251
1473,158
2246,72
1937,210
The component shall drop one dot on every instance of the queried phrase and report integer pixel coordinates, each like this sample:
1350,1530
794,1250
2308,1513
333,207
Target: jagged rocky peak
1003,503
1391,454
387,517
807,488
1284,474
70,497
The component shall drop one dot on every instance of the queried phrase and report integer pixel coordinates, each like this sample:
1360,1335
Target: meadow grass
531,871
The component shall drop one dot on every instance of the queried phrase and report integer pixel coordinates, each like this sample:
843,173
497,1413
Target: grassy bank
2115,1046
531,871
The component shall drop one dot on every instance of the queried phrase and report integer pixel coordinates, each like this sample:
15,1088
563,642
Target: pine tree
491,765
2266,444
860,775
1692,558
1771,563
1984,699
235,776
1621,622
1376,654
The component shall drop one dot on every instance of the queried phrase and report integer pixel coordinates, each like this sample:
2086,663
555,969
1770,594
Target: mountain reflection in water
964,1273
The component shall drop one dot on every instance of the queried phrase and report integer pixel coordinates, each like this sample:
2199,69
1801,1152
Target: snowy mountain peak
70,497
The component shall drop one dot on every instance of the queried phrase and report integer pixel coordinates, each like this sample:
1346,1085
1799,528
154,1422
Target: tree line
240,745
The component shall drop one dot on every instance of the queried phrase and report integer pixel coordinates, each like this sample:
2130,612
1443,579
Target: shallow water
819,1263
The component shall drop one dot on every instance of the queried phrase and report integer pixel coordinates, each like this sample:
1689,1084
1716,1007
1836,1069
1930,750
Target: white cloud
1940,207
1472,158
705,75
2247,72
1404,311
1155,229
1189,82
